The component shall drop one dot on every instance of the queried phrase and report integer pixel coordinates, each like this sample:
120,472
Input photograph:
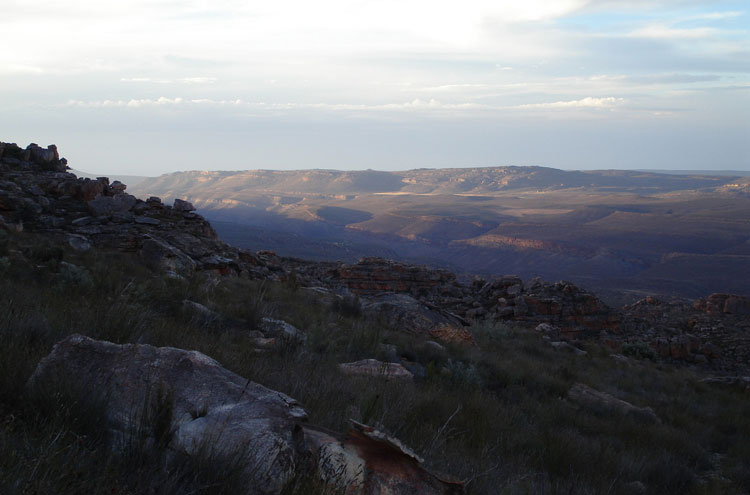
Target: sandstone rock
265,343
282,329
238,417
147,220
588,397
547,329
565,347
370,462
404,312
201,313
182,205
164,257
79,242
87,189
374,275
109,205
373,367
452,333
117,187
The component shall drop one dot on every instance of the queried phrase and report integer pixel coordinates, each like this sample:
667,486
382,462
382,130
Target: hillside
143,355
618,232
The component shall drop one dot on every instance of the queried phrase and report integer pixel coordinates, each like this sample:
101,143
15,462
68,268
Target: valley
624,234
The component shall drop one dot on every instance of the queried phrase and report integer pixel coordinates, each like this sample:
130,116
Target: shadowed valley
626,234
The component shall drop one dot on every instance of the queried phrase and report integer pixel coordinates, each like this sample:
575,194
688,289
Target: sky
146,87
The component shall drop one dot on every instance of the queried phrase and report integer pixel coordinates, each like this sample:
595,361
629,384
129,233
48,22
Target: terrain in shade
625,234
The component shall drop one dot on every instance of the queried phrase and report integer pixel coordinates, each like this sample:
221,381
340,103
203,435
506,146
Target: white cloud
588,102
662,31
181,80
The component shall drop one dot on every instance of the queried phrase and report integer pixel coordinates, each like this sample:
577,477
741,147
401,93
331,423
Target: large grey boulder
162,256
412,316
211,406
212,409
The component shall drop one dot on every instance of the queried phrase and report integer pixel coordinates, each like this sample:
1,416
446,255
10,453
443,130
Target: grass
495,415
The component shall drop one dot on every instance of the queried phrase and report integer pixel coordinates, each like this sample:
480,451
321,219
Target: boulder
237,416
590,398
373,367
162,256
412,316
110,205
369,461
183,206
79,242
146,220
282,329
565,347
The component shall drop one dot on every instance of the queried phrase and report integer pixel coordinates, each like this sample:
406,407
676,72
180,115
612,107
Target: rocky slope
37,194
186,400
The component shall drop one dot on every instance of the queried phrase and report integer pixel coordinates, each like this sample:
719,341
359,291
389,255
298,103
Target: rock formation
37,194
211,407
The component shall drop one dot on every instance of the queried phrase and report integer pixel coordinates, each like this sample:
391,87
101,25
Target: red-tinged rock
449,333
373,275
370,462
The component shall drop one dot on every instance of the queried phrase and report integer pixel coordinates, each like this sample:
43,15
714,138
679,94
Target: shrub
639,350
349,306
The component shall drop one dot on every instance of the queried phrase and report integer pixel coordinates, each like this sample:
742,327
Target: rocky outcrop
720,304
207,406
572,309
712,332
375,275
37,194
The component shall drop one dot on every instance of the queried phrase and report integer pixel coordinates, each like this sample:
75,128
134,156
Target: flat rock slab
373,367
593,399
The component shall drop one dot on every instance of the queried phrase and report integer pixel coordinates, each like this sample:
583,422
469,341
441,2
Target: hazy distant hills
641,232
432,181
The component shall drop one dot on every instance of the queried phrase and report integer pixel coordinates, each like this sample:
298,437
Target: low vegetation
496,415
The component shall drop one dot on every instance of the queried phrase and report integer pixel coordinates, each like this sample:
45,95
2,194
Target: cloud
588,102
181,80
132,103
662,31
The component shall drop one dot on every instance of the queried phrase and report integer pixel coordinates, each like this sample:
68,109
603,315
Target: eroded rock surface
370,462
211,407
